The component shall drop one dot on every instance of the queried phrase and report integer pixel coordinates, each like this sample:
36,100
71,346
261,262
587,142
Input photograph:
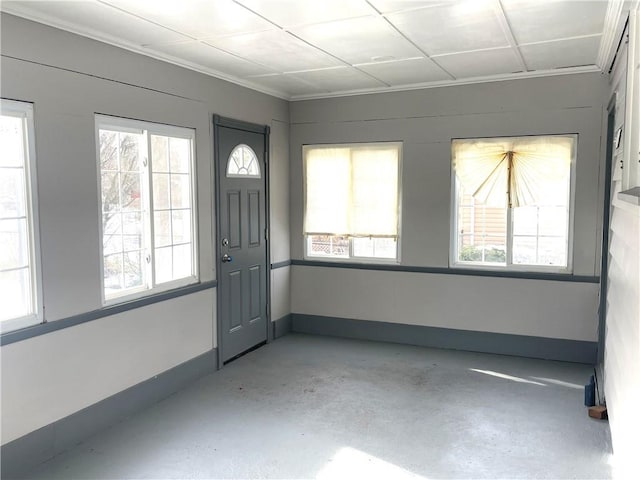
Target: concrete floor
319,407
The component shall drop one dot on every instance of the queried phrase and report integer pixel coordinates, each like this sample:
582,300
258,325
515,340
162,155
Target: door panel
241,239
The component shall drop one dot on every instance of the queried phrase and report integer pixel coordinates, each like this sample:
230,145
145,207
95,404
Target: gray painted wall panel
426,121
69,79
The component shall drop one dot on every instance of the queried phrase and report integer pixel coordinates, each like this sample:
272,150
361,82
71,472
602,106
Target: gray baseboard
282,326
486,342
22,455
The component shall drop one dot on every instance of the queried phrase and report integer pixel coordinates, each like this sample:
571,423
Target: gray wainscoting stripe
52,326
558,277
22,455
284,263
486,342
282,326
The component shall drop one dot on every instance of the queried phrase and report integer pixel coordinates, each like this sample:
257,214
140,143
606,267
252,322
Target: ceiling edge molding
453,83
88,33
613,25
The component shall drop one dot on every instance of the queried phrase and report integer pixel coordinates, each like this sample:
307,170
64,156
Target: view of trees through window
147,210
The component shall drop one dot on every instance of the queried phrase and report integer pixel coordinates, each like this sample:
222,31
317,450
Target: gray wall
69,79
426,121
622,340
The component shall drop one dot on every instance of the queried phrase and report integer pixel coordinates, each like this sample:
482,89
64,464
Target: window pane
133,269
132,228
525,220
110,192
160,153
14,244
112,233
129,152
328,246
179,154
363,247
15,294
375,247
525,250
12,192
113,281
553,221
552,251
162,228
12,136
108,150
182,266
494,250
130,188
161,191
180,191
164,264
181,226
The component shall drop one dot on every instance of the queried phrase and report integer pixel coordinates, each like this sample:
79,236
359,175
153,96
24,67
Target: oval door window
243,162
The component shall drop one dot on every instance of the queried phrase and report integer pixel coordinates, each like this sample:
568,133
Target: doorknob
226,258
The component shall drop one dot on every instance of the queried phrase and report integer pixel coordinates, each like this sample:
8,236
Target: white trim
25,111
147,129
509,266
451,83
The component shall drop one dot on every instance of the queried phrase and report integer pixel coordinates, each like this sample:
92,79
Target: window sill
141,294
513,268
631,196
356,260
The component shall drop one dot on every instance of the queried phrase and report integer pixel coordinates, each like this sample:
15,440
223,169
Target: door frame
606,226
265,130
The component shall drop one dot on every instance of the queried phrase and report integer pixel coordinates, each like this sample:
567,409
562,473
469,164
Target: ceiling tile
339,79
288,13
98,20
405,72
535,20
277,50
388,6
480,63
358,40
211,58
459,27
197,18
561,53
286,84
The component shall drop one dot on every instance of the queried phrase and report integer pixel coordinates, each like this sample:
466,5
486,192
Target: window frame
351,258
25,110
508,266
146,128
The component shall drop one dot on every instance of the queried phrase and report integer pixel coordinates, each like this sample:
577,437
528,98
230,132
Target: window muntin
148,207
352,201
243,163
19,250
523,226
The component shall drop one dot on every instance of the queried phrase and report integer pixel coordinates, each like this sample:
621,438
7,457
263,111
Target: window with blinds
513,201
351,200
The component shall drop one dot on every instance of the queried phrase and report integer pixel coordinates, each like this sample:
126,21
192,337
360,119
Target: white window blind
513,172
352,190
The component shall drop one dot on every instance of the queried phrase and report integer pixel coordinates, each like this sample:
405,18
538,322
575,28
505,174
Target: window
243,162
351,200
19,250
148,214
513,203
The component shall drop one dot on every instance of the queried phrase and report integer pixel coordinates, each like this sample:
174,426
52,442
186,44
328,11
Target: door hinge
266,234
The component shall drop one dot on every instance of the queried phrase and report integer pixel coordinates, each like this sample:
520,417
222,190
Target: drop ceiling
298,49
